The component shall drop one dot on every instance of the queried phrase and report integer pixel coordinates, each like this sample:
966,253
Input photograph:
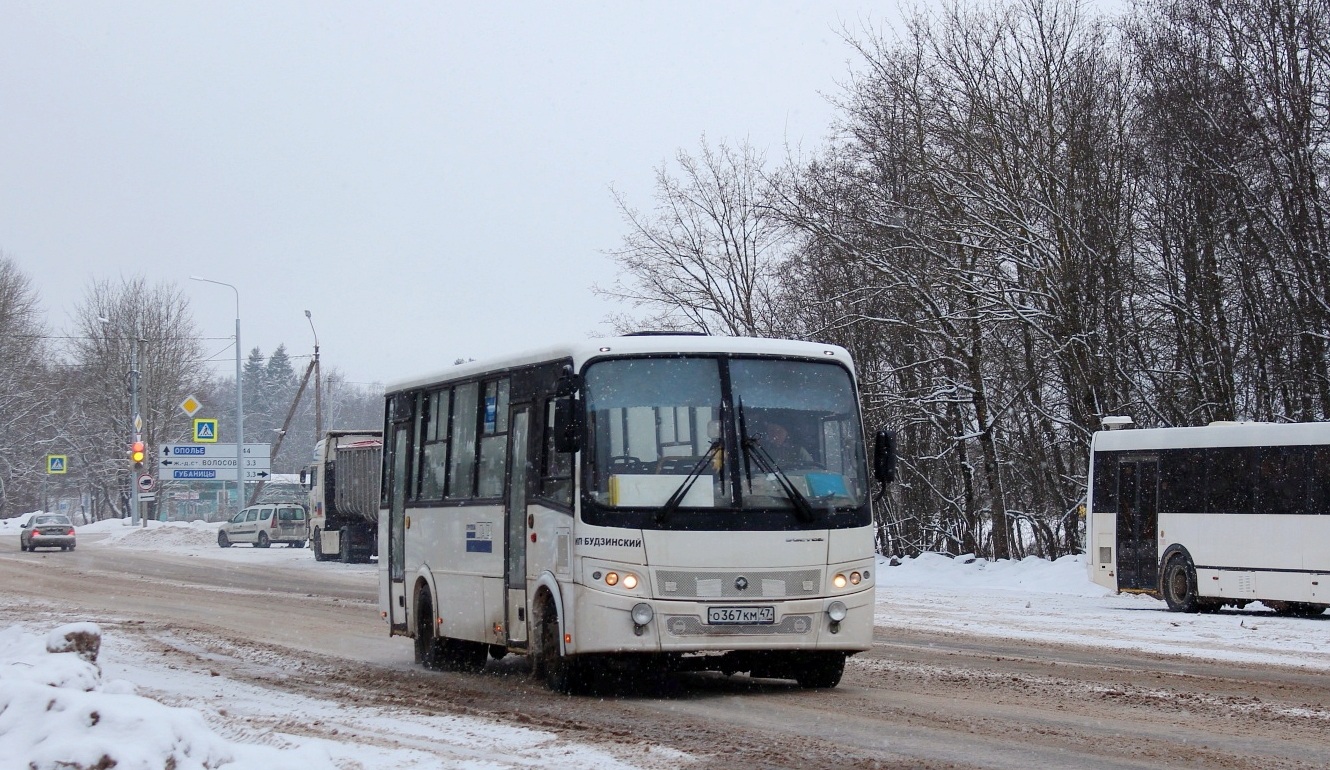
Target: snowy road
995,666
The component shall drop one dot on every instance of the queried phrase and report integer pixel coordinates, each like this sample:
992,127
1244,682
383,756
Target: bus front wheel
562,674
821,671
427,644
1178,584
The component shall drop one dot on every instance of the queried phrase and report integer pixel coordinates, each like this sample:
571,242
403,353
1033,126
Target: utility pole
136,426
318,383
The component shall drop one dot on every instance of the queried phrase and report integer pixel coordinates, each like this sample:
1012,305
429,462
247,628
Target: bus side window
493,459
1282,479
556,468
1229,480
1182,481
462,463
1318,475
433,442
1105,482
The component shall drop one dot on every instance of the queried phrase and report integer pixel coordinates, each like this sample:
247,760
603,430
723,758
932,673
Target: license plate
736,616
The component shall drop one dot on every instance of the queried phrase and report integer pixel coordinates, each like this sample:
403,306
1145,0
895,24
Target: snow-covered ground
57,707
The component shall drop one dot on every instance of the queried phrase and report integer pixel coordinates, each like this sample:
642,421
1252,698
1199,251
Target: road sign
183,450
257,457
205,429
190,405
213,462
214,474
147,497
146,482
56,463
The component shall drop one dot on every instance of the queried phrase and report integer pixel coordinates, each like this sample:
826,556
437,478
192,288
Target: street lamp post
240,401
318,384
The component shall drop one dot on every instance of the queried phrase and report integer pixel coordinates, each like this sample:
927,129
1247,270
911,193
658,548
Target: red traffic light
137,451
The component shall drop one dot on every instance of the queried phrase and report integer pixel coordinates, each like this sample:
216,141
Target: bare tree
123,328
969,240
1236,138
704,258
24,398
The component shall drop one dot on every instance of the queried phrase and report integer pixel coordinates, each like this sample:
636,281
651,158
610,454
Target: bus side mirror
567,424
303,475
569,383
884,457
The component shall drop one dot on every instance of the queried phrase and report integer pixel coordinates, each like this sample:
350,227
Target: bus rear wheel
1178,584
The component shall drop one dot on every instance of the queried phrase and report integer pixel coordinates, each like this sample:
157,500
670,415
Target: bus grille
676,584
691,625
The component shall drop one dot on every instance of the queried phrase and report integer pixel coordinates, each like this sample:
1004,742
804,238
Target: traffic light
138,452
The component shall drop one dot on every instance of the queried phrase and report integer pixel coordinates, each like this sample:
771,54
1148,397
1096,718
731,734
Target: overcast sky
431,180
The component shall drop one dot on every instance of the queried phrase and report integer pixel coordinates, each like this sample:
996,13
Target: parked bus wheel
1178,584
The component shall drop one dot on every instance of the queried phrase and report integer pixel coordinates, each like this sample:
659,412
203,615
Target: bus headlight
642,615
839,581
836,611
630,582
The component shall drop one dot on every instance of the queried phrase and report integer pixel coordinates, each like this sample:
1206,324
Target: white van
266,524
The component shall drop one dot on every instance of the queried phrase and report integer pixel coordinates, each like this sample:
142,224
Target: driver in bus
775,439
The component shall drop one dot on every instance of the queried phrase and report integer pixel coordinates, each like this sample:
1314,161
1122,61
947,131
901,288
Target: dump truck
343,484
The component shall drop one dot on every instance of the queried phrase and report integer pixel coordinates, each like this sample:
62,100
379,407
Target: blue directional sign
205,430
195,474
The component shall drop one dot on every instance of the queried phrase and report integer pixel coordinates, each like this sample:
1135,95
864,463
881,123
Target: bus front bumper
606,624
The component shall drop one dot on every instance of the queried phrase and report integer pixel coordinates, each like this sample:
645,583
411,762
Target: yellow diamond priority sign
190,405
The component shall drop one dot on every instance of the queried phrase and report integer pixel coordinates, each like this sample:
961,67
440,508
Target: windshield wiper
676,499
753,447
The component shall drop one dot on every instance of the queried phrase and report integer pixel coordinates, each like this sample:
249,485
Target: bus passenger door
1138,520
515,519
396,467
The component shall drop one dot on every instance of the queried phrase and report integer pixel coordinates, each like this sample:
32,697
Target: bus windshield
711,434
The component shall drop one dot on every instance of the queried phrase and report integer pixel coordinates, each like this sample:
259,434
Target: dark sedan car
47,530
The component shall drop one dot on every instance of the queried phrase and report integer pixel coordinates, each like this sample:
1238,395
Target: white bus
623,504
1204,517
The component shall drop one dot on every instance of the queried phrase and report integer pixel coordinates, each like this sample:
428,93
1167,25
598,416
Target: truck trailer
343,484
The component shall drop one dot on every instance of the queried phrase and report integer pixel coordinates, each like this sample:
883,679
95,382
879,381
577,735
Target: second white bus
1203,517
626,504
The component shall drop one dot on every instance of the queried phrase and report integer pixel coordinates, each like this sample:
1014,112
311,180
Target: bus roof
583,351
1219,434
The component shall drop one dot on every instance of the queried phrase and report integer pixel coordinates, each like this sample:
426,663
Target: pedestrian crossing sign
205,430
56,463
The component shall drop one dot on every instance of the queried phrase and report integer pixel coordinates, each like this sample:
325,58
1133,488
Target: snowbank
1054,602
56,711
1064,576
